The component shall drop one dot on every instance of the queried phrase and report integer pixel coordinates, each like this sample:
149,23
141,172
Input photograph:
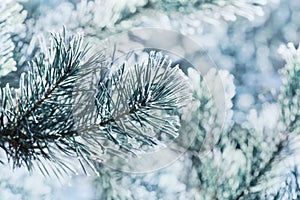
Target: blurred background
246,46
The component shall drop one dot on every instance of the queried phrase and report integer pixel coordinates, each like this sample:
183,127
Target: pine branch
288,189
142,102
40,120
121,16
37,119
228,10
290,112
255,180
290,93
